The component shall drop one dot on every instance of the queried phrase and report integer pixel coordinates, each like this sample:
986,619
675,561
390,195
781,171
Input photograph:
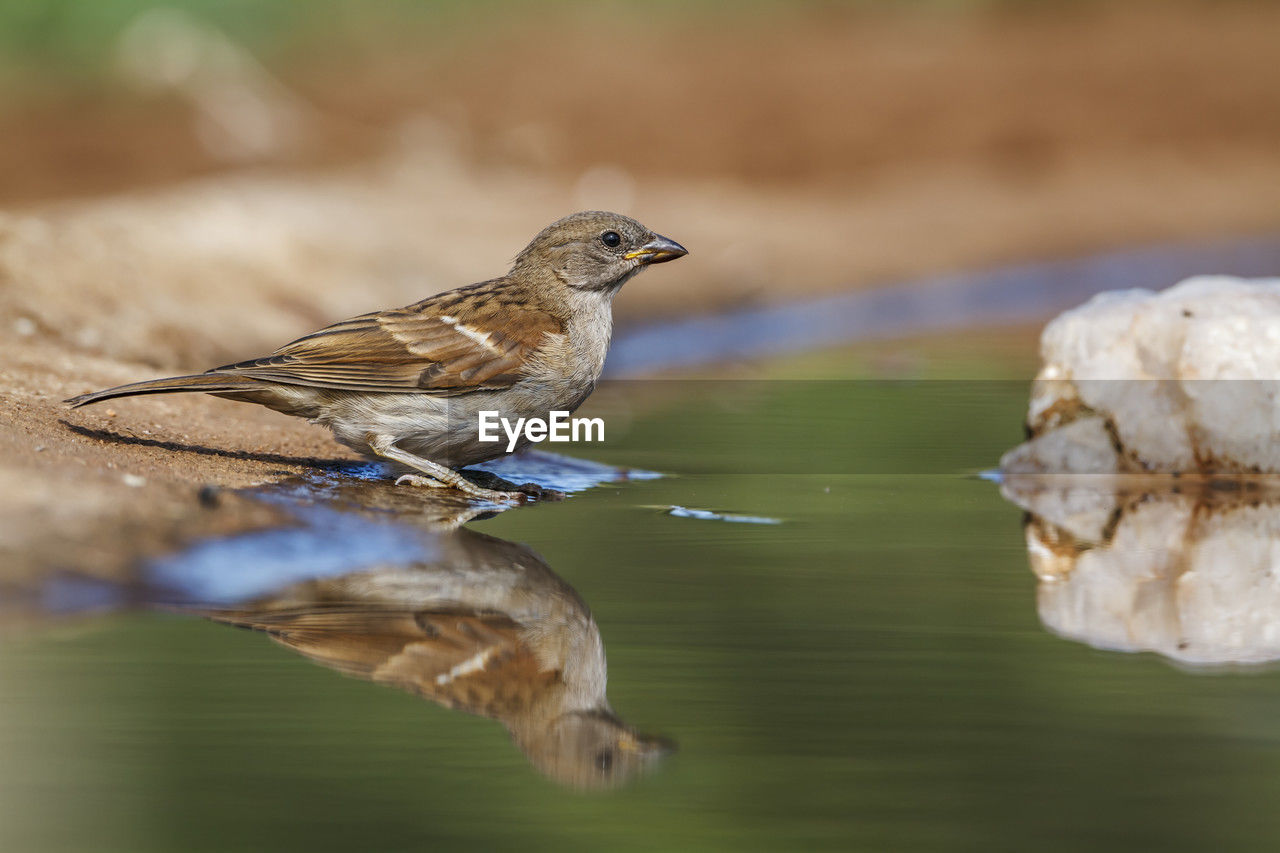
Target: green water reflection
869,675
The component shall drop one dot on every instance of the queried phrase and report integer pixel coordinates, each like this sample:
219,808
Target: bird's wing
424,348
467,660
491,670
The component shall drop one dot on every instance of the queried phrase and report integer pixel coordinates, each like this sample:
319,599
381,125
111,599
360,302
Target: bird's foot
487,479
463,485
420,480
533,490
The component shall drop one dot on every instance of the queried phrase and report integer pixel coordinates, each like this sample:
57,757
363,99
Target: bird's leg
437,476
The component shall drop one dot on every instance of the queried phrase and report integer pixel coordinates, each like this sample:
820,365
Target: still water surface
871,673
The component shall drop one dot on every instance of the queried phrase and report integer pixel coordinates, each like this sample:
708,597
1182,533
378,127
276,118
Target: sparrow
484,627
407,385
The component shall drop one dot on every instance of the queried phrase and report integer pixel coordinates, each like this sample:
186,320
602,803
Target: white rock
1179,381
1083,445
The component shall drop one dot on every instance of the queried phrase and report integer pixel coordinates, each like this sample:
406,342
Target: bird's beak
646,746
657,251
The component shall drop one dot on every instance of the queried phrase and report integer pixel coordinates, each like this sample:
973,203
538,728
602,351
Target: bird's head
592,750
595,250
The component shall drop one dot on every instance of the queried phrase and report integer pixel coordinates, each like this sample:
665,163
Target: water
1016,294
870,673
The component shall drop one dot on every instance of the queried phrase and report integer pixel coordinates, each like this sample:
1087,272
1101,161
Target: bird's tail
207,382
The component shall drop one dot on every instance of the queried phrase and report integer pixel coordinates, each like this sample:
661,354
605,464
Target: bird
483,626
406,385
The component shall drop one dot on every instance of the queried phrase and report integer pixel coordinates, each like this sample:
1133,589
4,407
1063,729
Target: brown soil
823,96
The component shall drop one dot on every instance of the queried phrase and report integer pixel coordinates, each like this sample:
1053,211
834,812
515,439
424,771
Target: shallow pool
868,673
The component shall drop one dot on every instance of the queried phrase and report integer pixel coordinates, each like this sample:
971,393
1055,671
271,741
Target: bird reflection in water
385,584
483,627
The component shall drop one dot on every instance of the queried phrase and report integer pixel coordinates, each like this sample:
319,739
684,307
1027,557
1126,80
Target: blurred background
311,160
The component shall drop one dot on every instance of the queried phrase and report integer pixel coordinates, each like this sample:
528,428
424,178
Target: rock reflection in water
484,627
1191,573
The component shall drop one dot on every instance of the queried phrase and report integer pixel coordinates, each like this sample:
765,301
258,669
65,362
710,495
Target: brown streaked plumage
418,348
406,385
486,628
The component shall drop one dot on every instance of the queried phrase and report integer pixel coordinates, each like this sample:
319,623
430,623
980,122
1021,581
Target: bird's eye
604,760
612,239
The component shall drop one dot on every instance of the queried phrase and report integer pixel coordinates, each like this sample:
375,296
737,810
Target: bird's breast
568,363
578,353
